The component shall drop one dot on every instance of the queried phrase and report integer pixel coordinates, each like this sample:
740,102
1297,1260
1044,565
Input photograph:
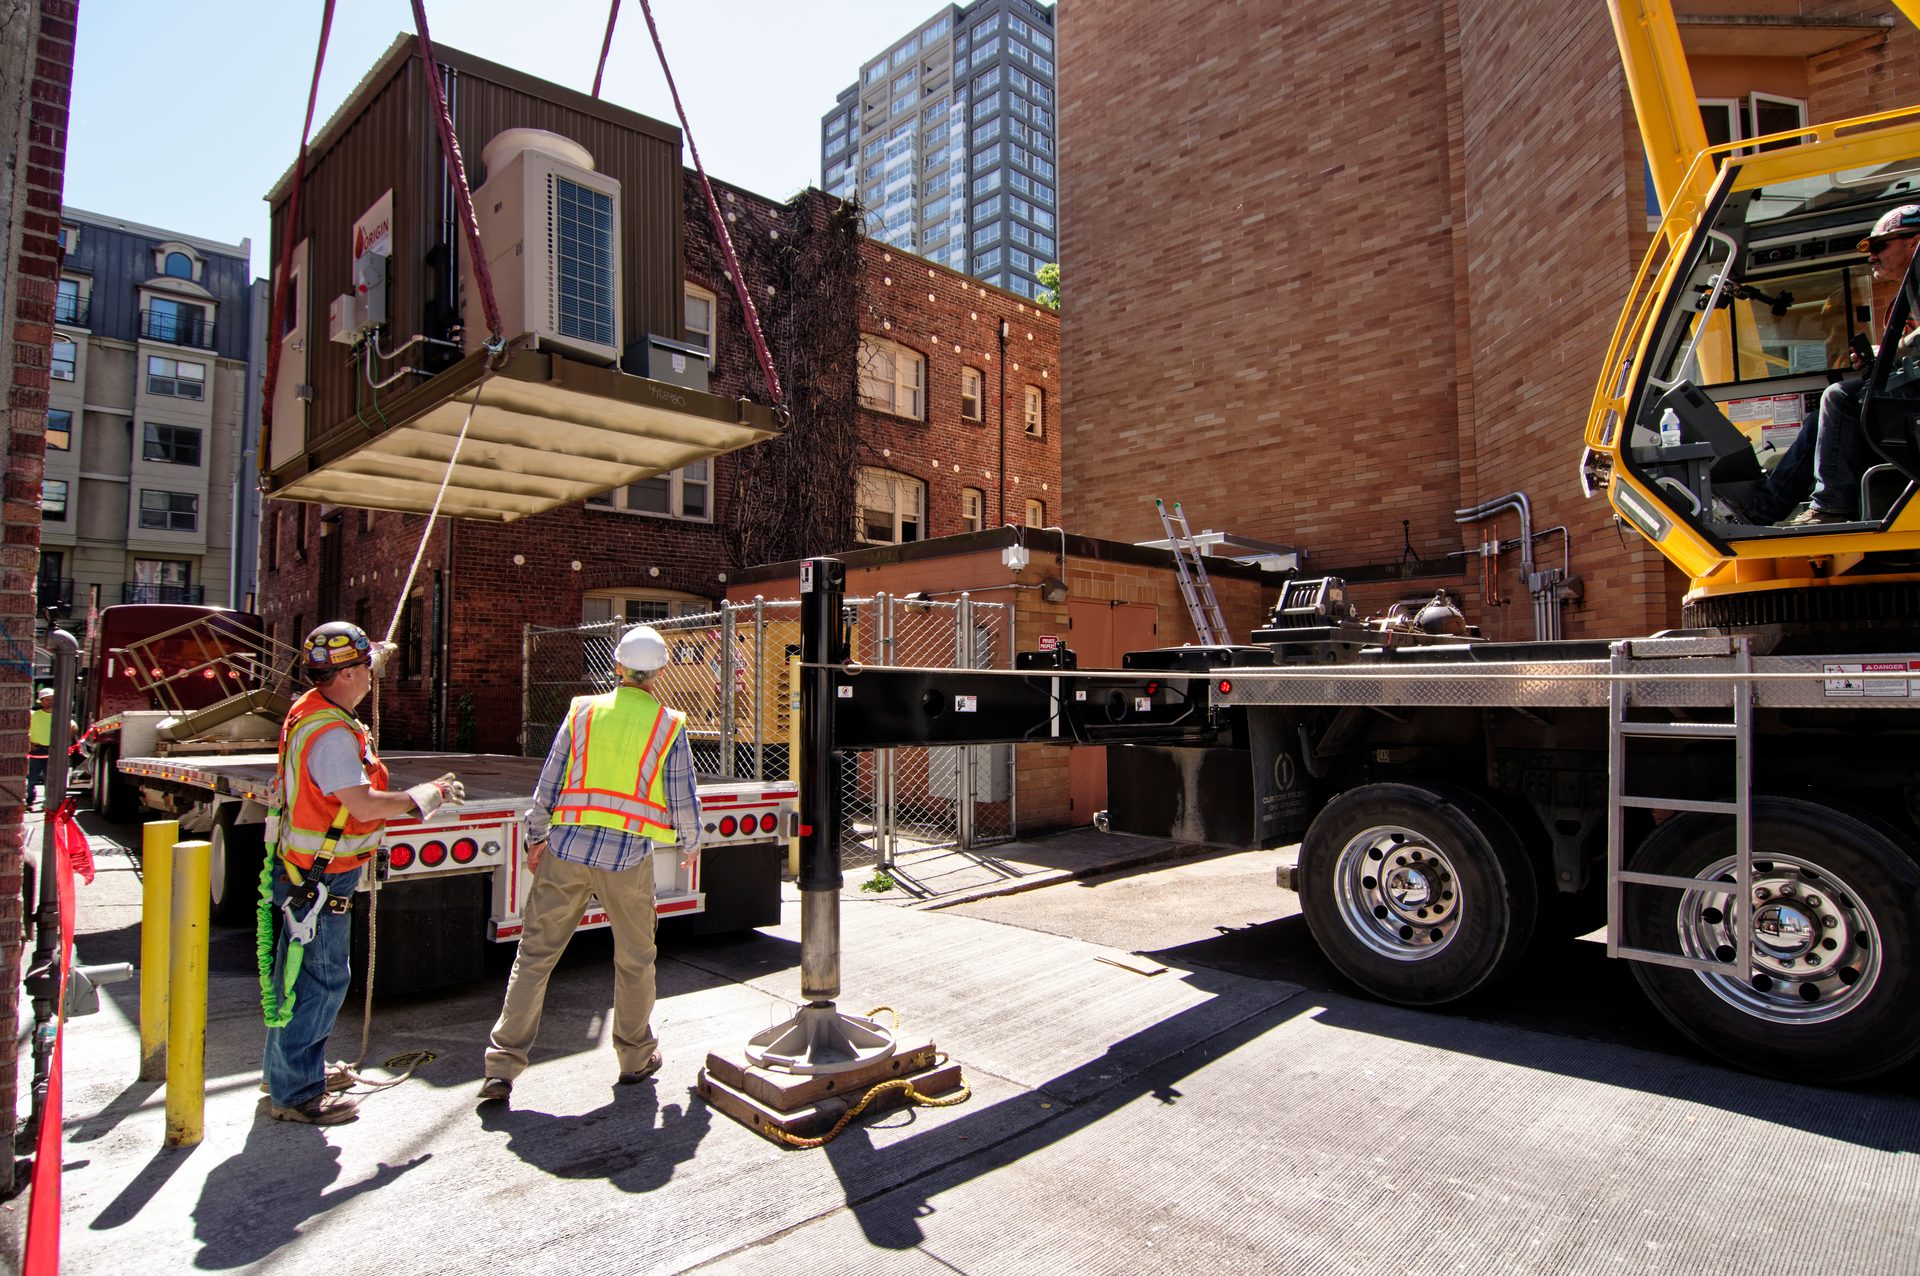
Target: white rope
406,586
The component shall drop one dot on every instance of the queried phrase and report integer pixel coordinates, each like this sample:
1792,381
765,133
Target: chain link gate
729,674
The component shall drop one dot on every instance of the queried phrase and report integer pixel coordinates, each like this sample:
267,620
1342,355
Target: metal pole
728,766
963,832
886,833
759,687
526,684
156,917
187,996
42,981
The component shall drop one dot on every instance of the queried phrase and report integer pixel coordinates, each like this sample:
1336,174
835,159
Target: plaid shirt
604,848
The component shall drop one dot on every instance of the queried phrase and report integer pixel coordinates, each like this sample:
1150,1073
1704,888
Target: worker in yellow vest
617,787
40,741
332,805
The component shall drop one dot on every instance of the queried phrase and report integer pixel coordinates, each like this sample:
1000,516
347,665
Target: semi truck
211,690
1737,801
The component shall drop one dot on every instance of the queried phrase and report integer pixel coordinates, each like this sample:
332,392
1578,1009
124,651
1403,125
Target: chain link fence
730,675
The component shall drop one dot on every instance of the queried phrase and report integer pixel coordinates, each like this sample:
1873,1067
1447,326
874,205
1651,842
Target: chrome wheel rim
1816,948
1398,893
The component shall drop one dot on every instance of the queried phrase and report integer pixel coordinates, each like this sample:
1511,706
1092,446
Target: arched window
178,265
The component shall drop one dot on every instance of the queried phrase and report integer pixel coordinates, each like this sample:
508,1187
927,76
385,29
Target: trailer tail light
728,826
465,850
1226,686
401,857
769,822
433,854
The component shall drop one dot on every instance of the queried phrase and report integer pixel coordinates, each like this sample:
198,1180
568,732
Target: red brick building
36,66
1332,275
668,547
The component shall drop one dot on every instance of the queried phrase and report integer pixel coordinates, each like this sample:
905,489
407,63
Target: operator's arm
546,791
334,765
683,798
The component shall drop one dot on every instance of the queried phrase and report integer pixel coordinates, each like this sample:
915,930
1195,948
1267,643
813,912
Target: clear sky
186,111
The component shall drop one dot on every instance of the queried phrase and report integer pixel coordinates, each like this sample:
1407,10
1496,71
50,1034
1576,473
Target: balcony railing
136,592
178,329
55,592
72,310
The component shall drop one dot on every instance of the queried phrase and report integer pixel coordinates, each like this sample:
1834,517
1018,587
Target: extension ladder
1195,588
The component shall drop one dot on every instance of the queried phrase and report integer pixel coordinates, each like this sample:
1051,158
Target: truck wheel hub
1816,949
1397,893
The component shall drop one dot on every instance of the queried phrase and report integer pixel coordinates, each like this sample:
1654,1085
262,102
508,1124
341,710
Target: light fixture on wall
1053,589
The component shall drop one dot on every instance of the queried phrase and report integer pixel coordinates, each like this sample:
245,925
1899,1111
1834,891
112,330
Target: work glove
382,652
434,794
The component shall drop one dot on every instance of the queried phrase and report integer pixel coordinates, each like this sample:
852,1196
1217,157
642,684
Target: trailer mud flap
1232,797
431,932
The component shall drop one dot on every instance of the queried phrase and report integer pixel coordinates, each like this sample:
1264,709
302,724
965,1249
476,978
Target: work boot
1813,516
496,1090
322,1109
338,1079
641,1073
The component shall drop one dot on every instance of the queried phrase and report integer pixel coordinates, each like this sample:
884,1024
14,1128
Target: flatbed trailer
459,880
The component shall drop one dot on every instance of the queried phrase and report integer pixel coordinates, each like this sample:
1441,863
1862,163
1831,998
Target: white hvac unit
551,229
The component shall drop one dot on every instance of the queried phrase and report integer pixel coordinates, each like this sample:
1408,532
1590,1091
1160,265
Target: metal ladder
1195,588
1724,656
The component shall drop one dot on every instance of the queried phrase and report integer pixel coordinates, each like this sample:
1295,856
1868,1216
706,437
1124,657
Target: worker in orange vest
333,803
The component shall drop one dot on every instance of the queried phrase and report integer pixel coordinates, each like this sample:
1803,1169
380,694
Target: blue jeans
1826,460
295,1062
36,774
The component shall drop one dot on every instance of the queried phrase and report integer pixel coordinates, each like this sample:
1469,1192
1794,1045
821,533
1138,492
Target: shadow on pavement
633,1141
254,1202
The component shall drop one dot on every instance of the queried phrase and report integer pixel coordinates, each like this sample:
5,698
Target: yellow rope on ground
913,1096
343,1077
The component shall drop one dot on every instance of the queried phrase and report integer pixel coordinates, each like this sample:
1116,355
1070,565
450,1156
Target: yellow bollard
156,917
793,761
187,993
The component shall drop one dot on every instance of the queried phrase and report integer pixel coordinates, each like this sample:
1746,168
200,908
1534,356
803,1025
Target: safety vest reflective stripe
604,730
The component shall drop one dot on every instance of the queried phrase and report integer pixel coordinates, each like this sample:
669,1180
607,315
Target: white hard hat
641,649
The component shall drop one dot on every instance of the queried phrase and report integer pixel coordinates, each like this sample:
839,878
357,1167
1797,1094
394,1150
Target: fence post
729,767
793,762
759,687
526,684
963,800
886,651
156,917
187,996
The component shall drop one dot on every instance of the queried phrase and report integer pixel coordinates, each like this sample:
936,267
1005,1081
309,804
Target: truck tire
1418,892
114,797
1830,993
234,870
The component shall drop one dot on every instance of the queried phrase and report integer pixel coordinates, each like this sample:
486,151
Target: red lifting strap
443,121
713,211
289,237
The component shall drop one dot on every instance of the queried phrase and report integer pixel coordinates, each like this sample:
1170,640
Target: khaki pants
554,906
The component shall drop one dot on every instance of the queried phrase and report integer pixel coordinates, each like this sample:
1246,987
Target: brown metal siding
390,142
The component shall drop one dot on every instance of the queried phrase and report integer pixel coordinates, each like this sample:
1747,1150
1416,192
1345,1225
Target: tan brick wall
1329,270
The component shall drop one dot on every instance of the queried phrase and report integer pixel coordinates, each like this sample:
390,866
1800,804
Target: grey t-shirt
333,760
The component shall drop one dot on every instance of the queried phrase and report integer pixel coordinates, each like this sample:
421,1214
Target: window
638,606
892,377
877,72
986,235
270,541
986,182
904,81
987,82
987,158
907,50
1730,119
836,126
986,261
1036,411
699,308
413,647
177,265
62,357
1036,514
1043,244
937,30
1019,260
176,321
176,377
169,511
59,431
970,383
972,503
172,573
873,148
171,444
892,507
685,493
984,107
53,500
66,303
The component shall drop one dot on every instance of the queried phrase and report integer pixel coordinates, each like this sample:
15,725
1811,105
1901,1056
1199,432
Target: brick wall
36,68
955,322
1329,273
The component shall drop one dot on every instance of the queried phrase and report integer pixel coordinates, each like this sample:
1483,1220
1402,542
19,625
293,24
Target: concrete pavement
1120,1121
